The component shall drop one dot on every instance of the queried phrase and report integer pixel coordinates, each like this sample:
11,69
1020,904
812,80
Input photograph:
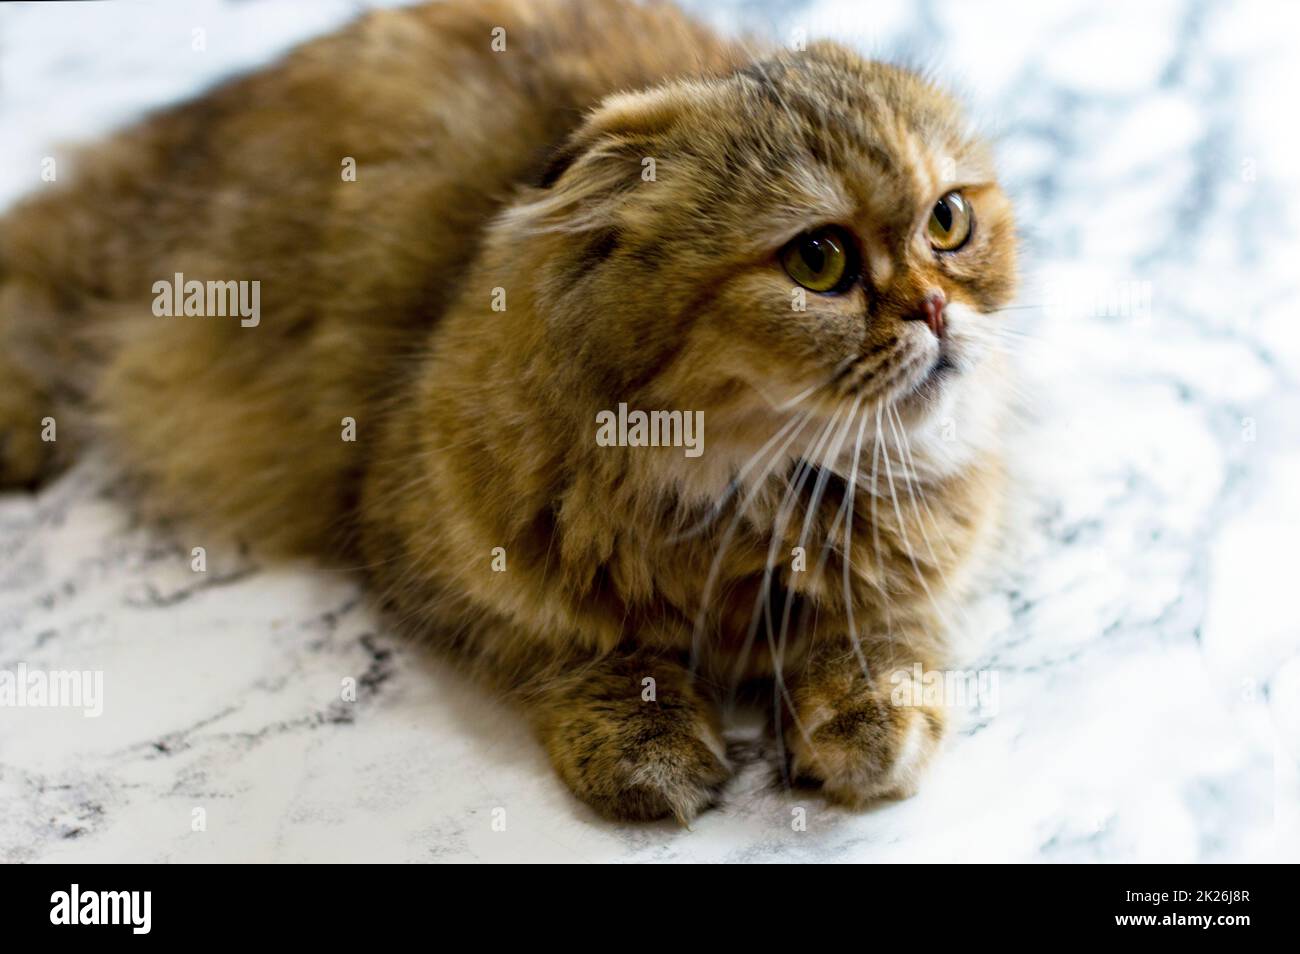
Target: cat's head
815,228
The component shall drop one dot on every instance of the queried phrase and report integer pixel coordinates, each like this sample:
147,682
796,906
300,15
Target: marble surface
1147,645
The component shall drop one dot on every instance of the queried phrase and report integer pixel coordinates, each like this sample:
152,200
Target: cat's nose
931,312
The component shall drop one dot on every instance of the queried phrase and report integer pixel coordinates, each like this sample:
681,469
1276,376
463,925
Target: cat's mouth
931,381
943,367
917,372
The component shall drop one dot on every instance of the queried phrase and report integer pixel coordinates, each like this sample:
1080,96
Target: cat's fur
523,171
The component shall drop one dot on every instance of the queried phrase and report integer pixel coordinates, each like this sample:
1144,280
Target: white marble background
1148,648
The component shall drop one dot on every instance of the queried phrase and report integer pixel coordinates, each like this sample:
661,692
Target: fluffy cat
559,208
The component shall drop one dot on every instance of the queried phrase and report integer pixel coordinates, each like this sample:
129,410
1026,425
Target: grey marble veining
1147,644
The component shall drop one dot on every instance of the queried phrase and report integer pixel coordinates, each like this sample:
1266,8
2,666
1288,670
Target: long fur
639,585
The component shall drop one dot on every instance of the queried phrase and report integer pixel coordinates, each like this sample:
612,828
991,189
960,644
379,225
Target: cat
479,229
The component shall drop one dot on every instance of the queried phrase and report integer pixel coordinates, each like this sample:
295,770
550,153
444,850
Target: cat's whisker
813,389
736,483
844,515
1005,335
824,474
848,548
907,543
789,501
812,512
915,494
715,568
778,650
875,521
762,604
905,446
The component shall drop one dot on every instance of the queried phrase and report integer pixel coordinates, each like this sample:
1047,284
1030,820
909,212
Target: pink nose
931,311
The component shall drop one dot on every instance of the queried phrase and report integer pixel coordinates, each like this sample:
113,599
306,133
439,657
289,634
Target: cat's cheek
786,343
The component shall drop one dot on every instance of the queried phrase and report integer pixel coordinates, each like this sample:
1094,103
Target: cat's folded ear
585,181
620,122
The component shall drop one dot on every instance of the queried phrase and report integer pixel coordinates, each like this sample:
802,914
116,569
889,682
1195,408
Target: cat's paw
854,741
633,758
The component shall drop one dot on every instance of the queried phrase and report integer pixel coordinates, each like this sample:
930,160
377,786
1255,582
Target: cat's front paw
636,750
852,738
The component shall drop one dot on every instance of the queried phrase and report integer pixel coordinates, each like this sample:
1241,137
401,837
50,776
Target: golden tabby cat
487,238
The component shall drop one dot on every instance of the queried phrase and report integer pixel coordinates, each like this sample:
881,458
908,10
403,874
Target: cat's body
506,267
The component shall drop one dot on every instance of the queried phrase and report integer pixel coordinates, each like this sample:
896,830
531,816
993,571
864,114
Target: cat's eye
950,222
820,261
